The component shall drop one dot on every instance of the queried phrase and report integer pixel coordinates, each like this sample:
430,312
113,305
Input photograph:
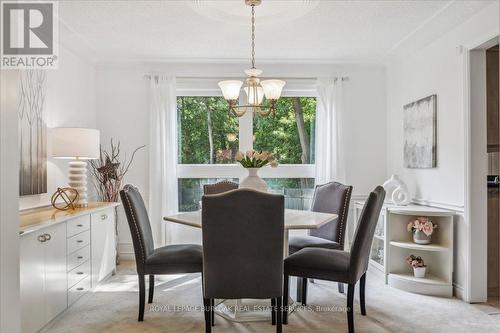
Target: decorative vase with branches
108,172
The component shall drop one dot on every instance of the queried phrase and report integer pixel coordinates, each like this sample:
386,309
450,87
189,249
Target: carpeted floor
113,306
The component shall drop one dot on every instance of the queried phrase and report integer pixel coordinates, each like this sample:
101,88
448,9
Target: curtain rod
149,76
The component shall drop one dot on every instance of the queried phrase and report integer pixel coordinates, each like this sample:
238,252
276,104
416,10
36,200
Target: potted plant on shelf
253,160
418,265
422,229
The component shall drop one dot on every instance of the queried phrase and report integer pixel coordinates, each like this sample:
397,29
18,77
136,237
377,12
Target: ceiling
293,30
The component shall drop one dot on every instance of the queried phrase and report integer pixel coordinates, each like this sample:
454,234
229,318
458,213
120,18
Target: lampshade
272,88
230,89
251,95
73,142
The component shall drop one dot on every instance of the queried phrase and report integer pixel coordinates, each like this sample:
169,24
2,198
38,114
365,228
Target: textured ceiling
294,30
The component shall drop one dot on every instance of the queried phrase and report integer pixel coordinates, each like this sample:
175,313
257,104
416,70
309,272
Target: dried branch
108,171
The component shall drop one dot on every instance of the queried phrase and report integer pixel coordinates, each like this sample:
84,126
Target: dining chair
243,237
170,259
219,187
337,265
332,198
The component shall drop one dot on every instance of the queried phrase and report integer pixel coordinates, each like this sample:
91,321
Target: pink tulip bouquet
256,159
423,224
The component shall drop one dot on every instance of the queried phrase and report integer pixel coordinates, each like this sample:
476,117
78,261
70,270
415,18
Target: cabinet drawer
79,273
77,258
78,241
78,225
78,290
102,216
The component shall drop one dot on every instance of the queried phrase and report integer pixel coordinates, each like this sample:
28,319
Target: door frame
476,282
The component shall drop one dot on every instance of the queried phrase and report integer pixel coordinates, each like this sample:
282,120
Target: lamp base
77,179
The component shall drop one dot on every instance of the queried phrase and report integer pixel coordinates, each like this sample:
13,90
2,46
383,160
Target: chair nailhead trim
136,227
347,198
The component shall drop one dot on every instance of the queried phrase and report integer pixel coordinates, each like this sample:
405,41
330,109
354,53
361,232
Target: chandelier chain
253,36
256,90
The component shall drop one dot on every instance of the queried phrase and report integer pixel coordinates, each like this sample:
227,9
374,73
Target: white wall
122,113
9,217
70,102
438,68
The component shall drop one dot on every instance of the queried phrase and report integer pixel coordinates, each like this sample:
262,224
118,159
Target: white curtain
162,154
330,158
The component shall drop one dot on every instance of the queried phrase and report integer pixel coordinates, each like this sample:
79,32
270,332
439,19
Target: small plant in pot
418,265
422,229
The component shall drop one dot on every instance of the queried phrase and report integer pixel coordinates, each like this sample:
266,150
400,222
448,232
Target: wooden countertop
39,218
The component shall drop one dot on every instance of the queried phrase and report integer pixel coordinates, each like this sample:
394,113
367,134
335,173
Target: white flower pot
253,181
419,272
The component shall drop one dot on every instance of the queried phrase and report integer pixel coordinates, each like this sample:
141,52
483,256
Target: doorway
493,179
483,164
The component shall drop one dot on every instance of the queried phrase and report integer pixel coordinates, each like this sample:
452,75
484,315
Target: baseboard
126,251
458,292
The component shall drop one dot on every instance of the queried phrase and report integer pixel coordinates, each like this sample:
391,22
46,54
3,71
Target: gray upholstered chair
332,198
243,233
219,187
337,265
171,259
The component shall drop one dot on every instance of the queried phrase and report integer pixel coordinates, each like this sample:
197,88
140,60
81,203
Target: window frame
200,87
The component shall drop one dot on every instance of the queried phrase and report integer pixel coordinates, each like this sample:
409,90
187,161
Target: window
191,190
290,133
209,136
298,192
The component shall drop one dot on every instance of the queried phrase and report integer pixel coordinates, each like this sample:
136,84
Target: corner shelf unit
393,243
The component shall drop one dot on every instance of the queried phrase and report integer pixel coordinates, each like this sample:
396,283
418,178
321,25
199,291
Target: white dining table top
294,219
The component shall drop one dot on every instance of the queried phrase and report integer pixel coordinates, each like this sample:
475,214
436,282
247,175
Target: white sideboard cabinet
103,244
63,255
43,276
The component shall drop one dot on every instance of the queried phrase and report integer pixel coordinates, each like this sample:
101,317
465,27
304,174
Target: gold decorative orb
69,195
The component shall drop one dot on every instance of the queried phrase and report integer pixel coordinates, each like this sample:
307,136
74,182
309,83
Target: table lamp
78,144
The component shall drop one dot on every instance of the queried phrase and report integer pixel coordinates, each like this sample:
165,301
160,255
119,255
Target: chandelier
255,89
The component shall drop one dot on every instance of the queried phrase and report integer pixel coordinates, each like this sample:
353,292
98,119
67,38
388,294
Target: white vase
396,191
253,181
419,272
419,237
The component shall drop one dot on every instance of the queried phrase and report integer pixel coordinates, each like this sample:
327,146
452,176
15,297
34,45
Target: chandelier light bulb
250,91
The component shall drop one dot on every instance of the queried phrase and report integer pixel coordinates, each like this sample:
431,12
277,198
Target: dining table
245,310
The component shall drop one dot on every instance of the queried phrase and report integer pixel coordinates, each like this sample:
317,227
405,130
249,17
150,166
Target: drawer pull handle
80,288
79,241
79,257
42,238
48,237
104,216
79,225
79,273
